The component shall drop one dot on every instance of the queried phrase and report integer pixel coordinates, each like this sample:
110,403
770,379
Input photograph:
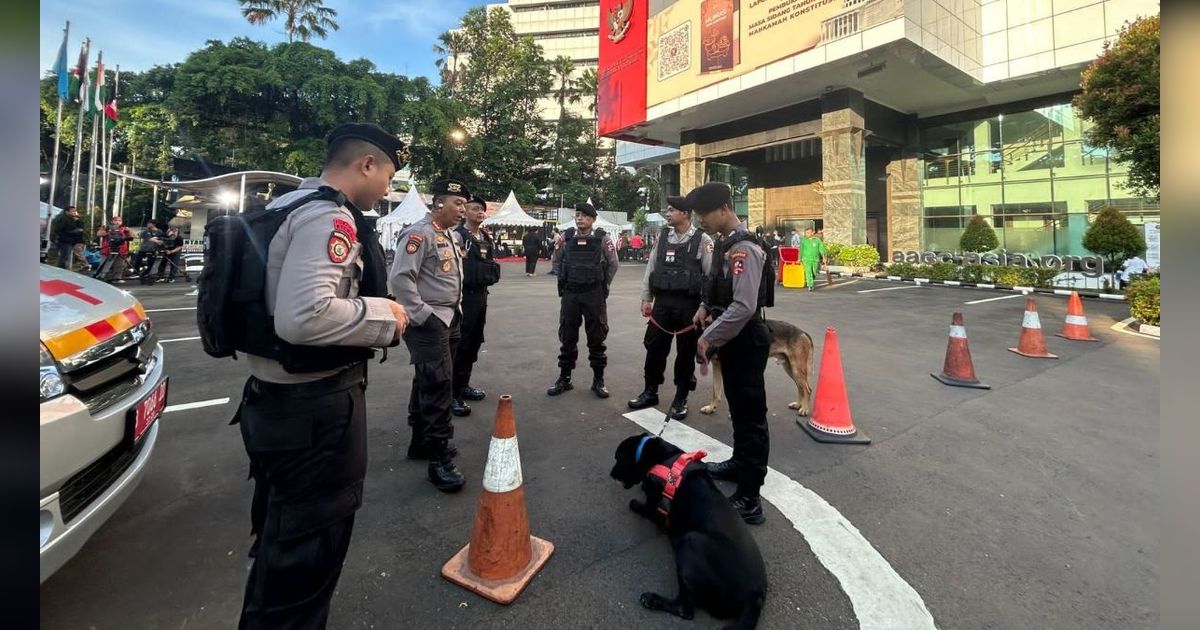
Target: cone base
949,380
499,591
1088,338
858,437
1034,356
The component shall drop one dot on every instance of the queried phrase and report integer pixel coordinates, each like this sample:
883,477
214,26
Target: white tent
566,219
511,215
411,210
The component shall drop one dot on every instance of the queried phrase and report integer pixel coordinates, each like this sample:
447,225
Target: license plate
149,409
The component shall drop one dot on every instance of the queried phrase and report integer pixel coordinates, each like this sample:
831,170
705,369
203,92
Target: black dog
717,563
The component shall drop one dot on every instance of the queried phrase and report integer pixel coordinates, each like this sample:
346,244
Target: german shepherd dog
717,563
793,348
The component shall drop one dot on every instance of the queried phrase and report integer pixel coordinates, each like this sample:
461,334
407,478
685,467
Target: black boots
561,385
459,408
749,508
417,451
723,471
598,387
678,410
470,393
648,398
444,475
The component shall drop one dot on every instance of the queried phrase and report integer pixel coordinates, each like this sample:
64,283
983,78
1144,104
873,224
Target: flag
79,78
98,104
60,70
110,108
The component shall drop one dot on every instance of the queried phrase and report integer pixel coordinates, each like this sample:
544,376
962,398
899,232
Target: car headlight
51,381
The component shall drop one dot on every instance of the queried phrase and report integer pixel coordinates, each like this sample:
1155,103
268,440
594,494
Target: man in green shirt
812,253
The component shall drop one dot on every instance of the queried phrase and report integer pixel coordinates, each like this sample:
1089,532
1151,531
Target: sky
396,35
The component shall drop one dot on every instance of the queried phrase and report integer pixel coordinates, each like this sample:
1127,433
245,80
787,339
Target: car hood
77,311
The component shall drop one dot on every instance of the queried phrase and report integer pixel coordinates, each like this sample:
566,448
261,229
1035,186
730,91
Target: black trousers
307,446
743,362
672,313
590,309
431,348
530,262
474,318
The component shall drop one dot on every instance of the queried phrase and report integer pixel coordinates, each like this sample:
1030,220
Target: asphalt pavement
1033,504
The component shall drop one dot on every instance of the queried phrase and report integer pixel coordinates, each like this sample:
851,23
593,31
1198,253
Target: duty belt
354,374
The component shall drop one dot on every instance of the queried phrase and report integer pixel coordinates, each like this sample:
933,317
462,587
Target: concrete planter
1147,329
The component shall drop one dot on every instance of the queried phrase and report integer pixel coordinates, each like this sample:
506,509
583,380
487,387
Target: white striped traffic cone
1076,326
1032,343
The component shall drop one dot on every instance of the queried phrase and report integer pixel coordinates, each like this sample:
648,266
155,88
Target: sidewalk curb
980,285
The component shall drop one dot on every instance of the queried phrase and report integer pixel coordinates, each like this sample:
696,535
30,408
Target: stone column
756,212
904,208
843,167
692,168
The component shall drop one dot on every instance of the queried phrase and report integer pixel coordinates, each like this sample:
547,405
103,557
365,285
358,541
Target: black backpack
235,271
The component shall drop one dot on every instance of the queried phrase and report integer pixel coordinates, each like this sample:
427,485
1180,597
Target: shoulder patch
737,255
339,247
708,247
414,243
345,227
738,266
609,245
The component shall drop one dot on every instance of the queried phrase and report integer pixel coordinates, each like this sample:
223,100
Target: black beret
679,203
392,146
709,197
450,186
586,208
479,200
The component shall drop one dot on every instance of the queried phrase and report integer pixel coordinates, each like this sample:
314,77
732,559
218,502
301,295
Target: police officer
303,410
480,271
585,261
738,335
426,278
677,268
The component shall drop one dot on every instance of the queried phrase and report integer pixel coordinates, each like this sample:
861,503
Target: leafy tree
450,44
978,236
1114,238
587,86
302,19
1121,98
639,220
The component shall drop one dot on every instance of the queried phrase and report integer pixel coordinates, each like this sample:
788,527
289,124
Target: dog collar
671,478
637,457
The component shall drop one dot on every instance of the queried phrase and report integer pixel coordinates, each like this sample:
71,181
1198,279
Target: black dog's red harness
671,478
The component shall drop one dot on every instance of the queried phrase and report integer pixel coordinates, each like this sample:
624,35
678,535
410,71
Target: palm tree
452,44
562,67
303,19
587,86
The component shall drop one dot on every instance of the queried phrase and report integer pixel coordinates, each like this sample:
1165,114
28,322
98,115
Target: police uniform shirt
610,254
426,275
674,238
744,264
314,266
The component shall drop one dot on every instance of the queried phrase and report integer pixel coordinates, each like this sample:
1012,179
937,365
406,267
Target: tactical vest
677,270
232,308
720,290
583,267
480,269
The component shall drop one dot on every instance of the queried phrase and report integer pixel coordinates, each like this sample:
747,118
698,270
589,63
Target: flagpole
79,134
104,159
91,193
57,142
104,122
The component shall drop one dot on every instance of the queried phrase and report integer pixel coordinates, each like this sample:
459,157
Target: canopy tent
655,217
411,210
511,215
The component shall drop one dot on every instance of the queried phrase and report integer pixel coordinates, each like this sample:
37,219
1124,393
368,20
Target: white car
102,390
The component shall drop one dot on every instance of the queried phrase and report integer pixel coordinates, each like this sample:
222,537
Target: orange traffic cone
1032,343
830,421
958,369
502,557
1076,326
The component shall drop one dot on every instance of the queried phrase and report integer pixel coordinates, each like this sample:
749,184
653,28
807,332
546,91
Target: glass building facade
1030,173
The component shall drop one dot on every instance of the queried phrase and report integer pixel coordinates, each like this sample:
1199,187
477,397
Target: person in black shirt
532,243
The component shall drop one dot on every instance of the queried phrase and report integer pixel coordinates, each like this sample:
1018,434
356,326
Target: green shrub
943,271
1009,275
855,255
1143,296
1113,237
978,273
978,236
1044,277
902,269
834,251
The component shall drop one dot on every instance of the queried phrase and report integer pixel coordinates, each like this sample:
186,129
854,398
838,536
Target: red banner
621,102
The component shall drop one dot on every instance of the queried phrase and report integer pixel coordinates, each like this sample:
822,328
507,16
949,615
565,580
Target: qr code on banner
674,51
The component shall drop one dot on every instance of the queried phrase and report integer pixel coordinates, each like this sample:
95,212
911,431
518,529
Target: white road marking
197,405
910,286
880,597
1123,327
835,285
1002,297
180,339
166,310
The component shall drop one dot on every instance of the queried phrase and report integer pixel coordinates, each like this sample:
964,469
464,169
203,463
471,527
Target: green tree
978,236
639,220
1120,98
450,45
588,85
302,19
1114,238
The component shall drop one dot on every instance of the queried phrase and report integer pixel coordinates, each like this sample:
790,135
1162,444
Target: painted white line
909,286
1002,297
1112,296
836,285
1062,292
180,339
952,283
880,597
985,286
1123,327
197,405
167,310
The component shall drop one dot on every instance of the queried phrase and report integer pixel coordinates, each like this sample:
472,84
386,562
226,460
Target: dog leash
688,328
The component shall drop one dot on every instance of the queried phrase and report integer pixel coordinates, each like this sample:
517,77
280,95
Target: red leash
688,328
